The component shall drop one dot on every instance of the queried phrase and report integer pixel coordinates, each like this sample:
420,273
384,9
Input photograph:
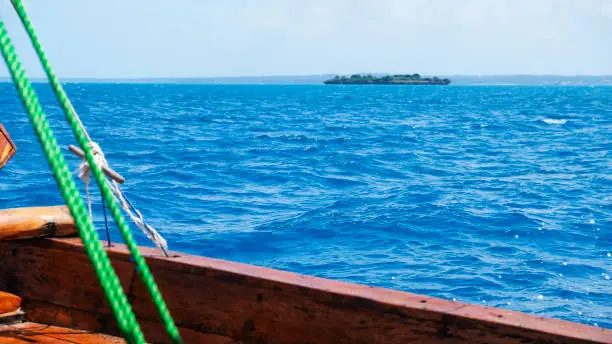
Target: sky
196,38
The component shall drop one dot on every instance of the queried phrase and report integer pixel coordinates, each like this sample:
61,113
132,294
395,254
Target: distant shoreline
395,79
318,79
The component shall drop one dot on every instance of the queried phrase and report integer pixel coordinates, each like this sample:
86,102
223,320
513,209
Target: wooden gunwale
219,301
37,222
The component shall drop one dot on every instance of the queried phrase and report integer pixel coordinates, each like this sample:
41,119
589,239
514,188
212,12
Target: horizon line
309,75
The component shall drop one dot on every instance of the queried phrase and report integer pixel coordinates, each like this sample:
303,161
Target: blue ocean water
493,195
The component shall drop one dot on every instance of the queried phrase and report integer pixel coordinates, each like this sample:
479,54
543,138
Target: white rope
84,170
138,219
100,160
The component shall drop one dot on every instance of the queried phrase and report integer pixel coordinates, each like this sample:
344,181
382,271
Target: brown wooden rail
36,222
216,301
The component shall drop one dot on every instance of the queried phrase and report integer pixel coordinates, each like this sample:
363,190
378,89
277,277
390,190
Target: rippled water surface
493,195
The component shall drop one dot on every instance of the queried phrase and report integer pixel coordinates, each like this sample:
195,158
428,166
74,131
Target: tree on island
397,79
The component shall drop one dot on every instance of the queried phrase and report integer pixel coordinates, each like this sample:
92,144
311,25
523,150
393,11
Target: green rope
114,207
99,259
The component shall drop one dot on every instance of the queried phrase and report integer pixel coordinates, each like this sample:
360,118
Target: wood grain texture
9,302
7,147
37,222
29,332
224,302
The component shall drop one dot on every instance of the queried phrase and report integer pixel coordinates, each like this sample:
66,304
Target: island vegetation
398,79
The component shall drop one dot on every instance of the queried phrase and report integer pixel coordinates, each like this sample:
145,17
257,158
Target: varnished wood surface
7,147
224,302
9,302
29,333
26,223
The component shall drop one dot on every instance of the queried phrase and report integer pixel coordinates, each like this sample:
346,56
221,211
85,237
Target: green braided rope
100,261
114,207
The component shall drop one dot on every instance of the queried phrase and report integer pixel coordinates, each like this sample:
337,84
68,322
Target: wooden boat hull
7,147
37,222
216,301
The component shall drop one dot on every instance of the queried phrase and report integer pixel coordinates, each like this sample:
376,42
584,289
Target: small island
398,79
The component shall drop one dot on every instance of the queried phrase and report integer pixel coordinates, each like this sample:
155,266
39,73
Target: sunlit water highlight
493,195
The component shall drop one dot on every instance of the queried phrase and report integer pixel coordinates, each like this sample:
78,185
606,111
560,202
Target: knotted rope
136,216
84,170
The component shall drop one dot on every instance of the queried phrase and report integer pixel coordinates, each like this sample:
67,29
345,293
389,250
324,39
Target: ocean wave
554,121
482,194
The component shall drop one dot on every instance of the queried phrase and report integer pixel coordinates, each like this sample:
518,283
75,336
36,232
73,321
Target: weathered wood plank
37,222
29,332
7,147
49,313
258,305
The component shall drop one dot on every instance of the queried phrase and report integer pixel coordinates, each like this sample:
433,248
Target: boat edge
450,310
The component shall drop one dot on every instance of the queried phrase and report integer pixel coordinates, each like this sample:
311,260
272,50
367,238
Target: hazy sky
192,38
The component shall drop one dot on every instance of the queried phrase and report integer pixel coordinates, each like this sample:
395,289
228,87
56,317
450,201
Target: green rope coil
99,259
72,117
